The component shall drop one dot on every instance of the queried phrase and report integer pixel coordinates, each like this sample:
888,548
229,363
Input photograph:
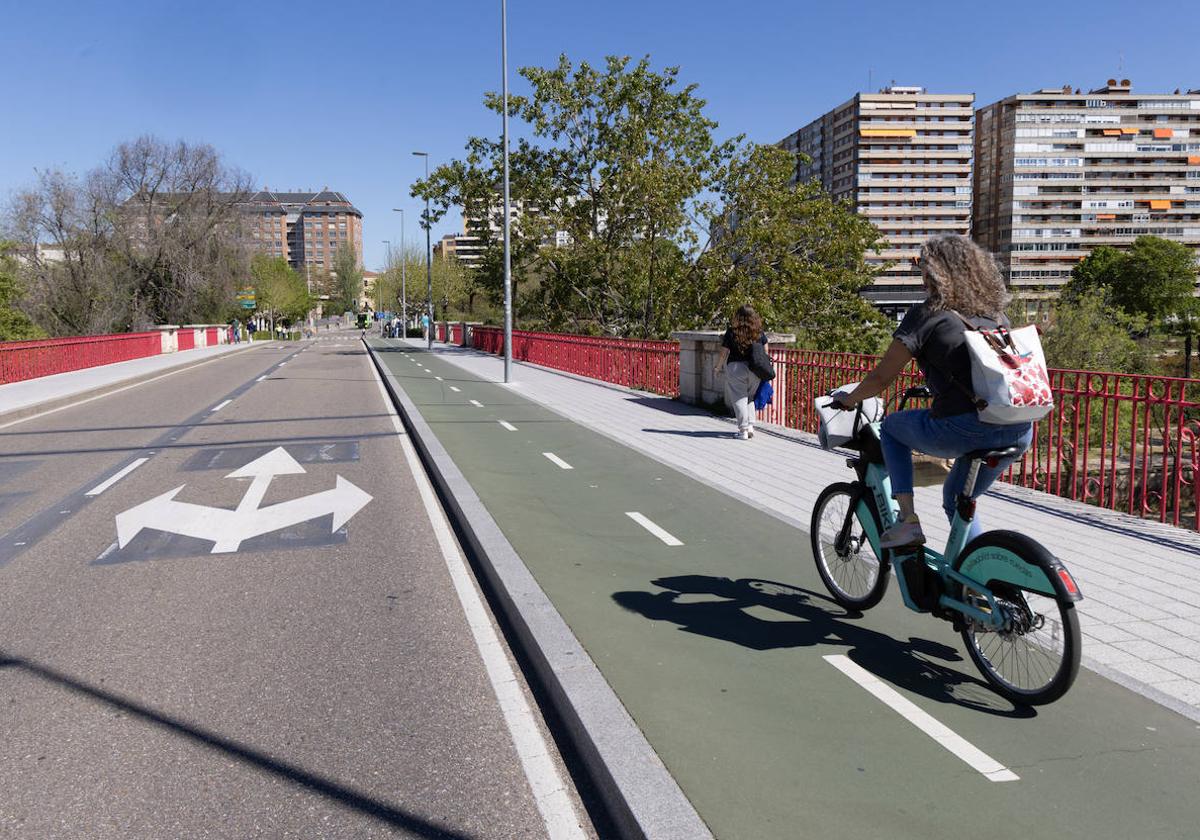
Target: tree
278,290
1155,278
15,325
633,219
349,278
1086,333
151,236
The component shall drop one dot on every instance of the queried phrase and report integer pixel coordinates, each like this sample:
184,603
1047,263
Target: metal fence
646,365
20,360
1118,441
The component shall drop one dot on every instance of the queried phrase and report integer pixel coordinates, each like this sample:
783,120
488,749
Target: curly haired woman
961,279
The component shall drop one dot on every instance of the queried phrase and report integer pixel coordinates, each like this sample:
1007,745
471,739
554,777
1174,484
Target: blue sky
310,94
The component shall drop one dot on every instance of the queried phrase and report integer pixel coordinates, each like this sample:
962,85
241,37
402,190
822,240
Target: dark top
729,341
938,342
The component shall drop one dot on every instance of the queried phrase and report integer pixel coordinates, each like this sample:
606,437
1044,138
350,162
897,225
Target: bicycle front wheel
851,571
1034,657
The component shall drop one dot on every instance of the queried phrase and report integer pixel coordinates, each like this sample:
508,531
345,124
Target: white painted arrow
228,528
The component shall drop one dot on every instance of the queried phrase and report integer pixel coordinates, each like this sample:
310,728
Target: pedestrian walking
736,358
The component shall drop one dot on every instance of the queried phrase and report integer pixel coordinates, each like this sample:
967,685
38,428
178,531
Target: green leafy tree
279,291
349,278
633,219
1086,333
15,325
1155,278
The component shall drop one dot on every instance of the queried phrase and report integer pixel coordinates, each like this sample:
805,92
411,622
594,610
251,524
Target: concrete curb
643,799
100,390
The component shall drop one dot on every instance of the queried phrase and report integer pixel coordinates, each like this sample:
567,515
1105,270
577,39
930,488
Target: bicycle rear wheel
853,574
1034,658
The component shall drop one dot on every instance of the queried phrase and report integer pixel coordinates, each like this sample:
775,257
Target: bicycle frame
873,477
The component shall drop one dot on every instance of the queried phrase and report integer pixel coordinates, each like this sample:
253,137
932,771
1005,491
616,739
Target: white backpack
1009,381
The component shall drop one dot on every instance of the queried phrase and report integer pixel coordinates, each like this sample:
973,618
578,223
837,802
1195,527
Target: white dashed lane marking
654,529
221,405
109,482
991,769
476,403
554,459
507,425
455,390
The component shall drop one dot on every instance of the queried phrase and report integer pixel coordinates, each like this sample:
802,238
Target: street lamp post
403,273
428,257
388,243
507,262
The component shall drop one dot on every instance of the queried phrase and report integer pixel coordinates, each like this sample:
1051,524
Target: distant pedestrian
744,332
425,324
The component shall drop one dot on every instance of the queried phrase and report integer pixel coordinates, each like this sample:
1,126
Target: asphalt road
709,620
313,679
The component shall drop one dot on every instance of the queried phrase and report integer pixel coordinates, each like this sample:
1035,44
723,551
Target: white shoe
744,434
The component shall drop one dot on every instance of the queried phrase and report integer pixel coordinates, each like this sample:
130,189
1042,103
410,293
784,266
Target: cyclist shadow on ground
908,664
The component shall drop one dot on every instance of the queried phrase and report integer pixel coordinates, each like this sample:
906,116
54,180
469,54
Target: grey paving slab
1131,570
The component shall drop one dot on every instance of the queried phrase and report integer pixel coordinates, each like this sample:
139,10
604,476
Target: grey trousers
740,385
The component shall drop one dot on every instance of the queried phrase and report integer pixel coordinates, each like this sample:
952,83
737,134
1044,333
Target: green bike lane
717,649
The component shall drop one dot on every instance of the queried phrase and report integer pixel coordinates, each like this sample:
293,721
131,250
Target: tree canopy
632,218
1155,278
15,325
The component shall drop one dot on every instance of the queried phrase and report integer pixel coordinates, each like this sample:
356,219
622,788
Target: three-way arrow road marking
227,529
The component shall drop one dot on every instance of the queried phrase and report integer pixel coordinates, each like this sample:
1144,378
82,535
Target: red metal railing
21,360
441,331
646,365
185,339
456,334
1124,442
1119,441
210,337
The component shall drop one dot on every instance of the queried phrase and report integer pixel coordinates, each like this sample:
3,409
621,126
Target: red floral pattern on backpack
1028,382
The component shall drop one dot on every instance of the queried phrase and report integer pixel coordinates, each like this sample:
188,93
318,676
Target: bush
261,335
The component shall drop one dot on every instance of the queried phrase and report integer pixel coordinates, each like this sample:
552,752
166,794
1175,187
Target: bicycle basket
838,428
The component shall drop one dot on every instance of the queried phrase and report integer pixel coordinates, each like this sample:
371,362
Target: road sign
228,528
246,298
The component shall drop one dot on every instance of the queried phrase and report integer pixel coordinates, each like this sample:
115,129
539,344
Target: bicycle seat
994,456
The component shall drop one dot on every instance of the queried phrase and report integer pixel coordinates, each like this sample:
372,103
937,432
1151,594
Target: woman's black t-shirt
729,342
937,340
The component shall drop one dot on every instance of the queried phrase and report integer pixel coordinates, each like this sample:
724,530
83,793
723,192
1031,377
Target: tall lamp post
507,212
403,273
428,257
388,243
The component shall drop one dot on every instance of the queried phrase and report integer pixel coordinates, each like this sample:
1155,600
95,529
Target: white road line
555,459
990,768
439,379
548,787
507,425
652,528
222,405
261,378
113,479
476,403
455,390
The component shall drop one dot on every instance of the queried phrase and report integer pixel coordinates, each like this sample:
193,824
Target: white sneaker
744,434
903,533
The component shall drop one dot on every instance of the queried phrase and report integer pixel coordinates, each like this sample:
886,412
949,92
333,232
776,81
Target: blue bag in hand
762,397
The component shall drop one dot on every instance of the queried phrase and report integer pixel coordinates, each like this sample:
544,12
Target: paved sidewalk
1141,580
20,398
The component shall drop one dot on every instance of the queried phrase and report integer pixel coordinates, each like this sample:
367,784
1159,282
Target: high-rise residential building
902,157
1059,172
305,228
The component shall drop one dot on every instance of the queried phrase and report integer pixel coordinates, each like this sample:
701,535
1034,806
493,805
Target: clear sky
309,94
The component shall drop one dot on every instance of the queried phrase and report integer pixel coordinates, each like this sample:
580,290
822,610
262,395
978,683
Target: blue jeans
947,437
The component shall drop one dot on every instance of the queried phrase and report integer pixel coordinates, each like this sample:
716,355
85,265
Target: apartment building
903,158
1059,172
305,228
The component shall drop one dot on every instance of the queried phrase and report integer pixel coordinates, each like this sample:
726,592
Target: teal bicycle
1010,598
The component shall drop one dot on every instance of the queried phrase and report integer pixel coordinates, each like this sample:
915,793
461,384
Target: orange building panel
1157,204
1162,133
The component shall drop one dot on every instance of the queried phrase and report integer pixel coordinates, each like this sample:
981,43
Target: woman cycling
961,279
